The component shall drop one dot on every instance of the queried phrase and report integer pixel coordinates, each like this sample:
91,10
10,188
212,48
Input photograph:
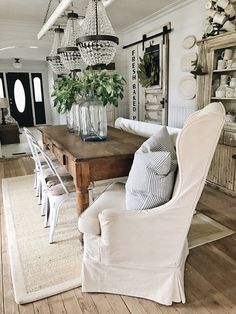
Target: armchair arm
148,238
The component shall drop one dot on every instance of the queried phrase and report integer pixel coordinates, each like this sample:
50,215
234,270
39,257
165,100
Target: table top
118,143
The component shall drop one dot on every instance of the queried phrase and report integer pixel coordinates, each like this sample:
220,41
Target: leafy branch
65,92
96,84
102,85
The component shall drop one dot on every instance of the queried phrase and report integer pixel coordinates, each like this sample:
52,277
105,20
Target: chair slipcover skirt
161,284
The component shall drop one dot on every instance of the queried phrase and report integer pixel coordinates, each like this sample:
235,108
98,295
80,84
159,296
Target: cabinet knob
234,157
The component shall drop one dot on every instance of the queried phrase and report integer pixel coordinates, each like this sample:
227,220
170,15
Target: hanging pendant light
69,52
53,59
17,64
98,41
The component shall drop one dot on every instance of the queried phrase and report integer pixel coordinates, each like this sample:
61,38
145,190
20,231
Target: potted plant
97,89
198,69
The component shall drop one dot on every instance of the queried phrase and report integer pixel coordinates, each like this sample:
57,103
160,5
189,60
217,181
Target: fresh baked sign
133,82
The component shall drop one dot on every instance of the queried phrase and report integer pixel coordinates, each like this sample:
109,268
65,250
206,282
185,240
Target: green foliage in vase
65,92
148,70
103,85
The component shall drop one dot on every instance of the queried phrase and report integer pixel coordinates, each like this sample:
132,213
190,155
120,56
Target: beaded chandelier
53,59
69,52
98,42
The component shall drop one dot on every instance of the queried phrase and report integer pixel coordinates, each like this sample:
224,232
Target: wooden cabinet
9,133
222,173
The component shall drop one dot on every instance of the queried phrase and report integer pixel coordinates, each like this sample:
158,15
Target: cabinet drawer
229,138
59,154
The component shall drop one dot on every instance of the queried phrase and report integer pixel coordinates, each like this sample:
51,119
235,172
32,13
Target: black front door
18,86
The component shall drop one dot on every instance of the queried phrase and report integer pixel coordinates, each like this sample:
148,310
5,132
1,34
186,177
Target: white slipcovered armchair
143,253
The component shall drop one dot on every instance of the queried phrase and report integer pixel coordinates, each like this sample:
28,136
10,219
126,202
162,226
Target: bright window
19,95
37,89
1,89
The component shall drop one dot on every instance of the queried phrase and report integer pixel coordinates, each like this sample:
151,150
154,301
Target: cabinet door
223,167
212,49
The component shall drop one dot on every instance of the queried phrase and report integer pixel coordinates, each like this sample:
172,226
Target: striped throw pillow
152,175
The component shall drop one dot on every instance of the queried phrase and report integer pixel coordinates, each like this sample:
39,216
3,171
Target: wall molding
153,17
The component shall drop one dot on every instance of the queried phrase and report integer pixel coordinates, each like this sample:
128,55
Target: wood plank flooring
210,277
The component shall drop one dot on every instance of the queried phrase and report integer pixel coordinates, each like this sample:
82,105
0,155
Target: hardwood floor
210,277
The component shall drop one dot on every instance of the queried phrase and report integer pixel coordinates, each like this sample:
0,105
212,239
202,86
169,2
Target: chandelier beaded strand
98,41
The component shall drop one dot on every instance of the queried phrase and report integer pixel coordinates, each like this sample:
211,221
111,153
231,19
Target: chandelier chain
48,8
96,13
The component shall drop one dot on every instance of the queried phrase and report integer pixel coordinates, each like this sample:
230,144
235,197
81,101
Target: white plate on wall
188,87
189,41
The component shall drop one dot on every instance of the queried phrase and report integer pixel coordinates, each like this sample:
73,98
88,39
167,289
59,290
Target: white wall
186,19
56,118
121,66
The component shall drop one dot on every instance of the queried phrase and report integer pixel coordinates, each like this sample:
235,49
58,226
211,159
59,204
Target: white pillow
152,175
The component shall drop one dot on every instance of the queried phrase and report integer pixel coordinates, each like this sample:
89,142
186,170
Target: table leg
82,182
82,198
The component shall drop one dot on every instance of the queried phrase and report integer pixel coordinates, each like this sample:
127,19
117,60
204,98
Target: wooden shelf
224,70
224,98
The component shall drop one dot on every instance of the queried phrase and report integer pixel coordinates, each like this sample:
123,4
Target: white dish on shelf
188,87
189,41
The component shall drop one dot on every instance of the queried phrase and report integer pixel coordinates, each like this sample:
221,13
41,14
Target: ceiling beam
64,4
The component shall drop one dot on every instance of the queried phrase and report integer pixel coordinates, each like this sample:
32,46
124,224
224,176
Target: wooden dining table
91,161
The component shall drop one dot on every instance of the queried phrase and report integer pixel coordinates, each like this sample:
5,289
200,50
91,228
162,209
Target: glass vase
76,123
72,119
93,120
69,120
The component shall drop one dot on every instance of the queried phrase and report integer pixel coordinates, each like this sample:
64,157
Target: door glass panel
19,95
37,89
1,89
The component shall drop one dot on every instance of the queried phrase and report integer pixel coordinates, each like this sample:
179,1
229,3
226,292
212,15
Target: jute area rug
40,269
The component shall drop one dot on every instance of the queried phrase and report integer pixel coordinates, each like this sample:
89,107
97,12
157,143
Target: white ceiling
122,14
